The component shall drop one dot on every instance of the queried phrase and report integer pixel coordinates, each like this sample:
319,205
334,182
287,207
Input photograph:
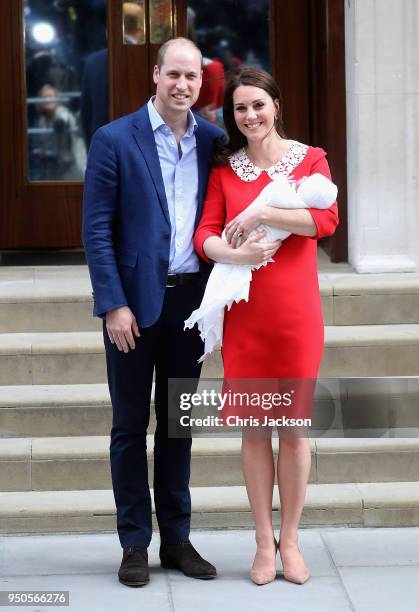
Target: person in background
210,99
57,151
94,102
133,23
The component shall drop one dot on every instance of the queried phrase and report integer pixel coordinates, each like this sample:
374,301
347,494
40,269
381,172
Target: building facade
348,70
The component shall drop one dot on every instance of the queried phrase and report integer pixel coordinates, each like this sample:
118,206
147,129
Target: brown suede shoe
185,558
134,567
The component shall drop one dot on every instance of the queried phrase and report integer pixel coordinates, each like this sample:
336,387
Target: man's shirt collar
157,121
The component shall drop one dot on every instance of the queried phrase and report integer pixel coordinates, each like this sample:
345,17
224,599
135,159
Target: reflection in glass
161,23
133,22
230,34
66,84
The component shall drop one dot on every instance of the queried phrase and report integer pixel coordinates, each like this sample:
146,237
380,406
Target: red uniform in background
212,90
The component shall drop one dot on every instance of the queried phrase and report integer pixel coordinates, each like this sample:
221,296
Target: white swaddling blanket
230,283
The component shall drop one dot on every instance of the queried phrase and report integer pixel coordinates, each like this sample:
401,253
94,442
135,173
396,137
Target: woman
279,332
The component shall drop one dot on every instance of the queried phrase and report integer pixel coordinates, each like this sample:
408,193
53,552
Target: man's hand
121,325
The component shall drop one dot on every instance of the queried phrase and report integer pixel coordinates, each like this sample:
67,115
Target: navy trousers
173,353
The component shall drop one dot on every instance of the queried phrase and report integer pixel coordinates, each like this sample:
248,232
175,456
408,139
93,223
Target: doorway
72,65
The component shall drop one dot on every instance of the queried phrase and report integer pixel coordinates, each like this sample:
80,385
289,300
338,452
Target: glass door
65,68
69,67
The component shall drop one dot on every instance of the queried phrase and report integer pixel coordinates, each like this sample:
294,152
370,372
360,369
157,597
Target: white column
382,96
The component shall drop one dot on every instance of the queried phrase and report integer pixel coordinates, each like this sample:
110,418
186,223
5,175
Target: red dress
279,332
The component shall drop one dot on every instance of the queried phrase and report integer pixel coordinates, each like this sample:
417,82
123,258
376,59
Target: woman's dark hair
256,77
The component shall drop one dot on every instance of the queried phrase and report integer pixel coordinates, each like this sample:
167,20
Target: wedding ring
240,234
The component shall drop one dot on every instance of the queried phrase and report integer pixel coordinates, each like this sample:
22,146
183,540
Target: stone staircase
55,410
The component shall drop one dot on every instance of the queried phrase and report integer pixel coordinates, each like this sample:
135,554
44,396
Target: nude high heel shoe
261,578
295,577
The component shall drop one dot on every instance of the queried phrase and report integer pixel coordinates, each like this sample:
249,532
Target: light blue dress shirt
180,177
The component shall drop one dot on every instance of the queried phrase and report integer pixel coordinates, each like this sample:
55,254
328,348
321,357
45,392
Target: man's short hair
162,50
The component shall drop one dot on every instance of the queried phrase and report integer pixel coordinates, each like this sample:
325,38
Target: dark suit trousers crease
173,353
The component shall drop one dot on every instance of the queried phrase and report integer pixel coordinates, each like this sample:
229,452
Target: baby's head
317,190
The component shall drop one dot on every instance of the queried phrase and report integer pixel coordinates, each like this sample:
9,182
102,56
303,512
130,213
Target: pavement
362,570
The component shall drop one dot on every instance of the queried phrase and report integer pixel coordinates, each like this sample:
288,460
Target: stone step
78,357
46,298
55,410
358,351
83,463
59,299
76,463
370,299
52,358
371,350
358,407
390,504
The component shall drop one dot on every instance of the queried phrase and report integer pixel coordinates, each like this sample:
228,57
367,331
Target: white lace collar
247,171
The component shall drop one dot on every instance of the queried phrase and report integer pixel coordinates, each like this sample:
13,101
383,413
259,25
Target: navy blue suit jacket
126,224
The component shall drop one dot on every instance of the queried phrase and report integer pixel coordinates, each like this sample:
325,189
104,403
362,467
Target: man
57,151
133,23
145,181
